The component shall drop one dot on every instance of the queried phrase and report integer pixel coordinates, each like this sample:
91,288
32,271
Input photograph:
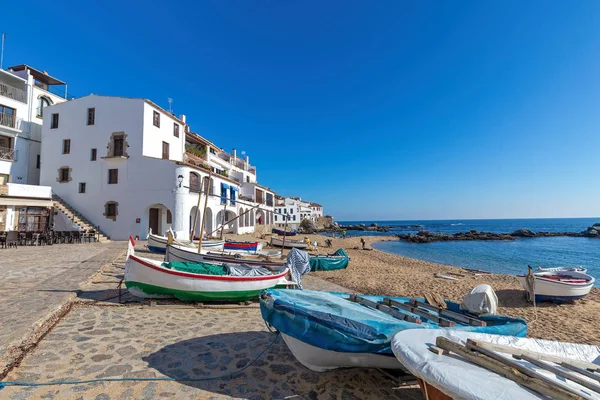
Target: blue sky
377,110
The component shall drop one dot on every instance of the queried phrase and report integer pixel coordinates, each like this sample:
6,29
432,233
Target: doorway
154,220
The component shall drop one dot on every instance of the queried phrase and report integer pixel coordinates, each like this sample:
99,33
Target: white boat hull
278,242
158,244
552,290
147,278
184,254
320,360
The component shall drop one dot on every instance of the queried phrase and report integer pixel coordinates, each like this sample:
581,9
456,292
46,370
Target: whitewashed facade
316,211
24,92
129,166
295,210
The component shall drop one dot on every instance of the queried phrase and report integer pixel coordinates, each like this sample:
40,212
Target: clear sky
375,109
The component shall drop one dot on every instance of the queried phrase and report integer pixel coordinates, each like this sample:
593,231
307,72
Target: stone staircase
76,217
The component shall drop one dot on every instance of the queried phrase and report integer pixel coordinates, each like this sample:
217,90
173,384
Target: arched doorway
224,217
242,218
208,223
159,218
260,217
252,218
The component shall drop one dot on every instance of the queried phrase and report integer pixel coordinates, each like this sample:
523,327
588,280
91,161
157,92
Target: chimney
182,118
247,161
234,155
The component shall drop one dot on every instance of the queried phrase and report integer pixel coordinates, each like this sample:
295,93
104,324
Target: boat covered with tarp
450,376
329,262
190,281
327,330
283,233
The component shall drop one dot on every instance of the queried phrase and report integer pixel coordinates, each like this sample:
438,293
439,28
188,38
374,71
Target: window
294,217
93,155
232,195
91,116
54,122
118,146
291,210
42,103
63,175
67,146
37,162
175,129
7,116
156,119
165,154
111,209
248,179
113,176
212,151
194,181
81,187
169,217
224,188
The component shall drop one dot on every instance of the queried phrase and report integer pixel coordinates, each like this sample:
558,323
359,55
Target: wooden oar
511,370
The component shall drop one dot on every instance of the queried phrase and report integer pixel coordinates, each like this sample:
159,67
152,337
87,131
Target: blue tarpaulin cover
329,321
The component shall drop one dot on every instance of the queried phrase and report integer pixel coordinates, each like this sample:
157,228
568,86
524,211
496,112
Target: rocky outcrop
424,236
307,226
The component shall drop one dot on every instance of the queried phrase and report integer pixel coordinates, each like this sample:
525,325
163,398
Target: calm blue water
499,256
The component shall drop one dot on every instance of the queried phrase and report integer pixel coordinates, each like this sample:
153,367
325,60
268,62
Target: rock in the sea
523,233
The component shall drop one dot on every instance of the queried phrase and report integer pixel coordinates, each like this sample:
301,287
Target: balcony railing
252,170
13,93
7,120
8,154
224,156
239,163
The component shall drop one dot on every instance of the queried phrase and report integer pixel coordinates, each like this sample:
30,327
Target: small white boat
279,242
146,278
186,254
554,269
457,378
557,286
158,244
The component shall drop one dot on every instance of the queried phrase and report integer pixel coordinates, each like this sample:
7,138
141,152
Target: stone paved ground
101,337
37,280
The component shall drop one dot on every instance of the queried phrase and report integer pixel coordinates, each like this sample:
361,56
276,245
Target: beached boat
452,377
148,278
326,330
337,260
574,269
283,233
158,244
557,286
278,242
248,247
186,254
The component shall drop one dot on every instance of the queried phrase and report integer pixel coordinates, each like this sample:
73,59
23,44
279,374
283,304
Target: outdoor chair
3,239
75,236
29,238
12,239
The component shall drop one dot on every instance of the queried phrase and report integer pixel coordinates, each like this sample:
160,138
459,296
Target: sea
505,257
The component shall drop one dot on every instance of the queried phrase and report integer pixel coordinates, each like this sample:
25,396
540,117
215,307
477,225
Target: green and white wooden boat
148,278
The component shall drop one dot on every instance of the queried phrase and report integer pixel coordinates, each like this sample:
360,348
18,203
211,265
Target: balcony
8,154
8,120
239,163
13,93
224,156
252,170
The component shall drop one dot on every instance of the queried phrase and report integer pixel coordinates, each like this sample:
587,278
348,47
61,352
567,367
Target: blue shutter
233,195
224,188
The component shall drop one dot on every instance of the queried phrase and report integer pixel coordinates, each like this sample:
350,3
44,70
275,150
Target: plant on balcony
225,174
200,152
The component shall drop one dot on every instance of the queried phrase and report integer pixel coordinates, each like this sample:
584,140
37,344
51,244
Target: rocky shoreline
424,236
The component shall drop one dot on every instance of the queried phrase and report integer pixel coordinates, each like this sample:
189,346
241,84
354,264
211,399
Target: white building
24,93
316,211
129,166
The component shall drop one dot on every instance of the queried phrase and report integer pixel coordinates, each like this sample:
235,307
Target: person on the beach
343,234
362,241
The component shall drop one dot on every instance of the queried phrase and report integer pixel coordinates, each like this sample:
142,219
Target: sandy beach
377,272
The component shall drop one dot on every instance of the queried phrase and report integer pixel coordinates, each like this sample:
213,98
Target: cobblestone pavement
104,338
174,342
37,280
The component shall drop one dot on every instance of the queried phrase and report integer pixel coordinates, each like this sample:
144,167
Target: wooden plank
443,322
450,314
525,370
435,300
383,308
580,370
560,372
549,389
539,356
437,350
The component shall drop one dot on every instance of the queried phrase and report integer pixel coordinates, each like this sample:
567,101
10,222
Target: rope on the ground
224,376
